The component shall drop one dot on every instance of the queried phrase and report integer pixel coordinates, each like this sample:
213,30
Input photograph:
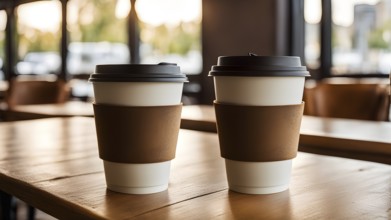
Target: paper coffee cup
259,81
137,86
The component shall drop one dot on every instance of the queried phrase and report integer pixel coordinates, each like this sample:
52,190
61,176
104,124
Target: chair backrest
24,92
353,101
308,97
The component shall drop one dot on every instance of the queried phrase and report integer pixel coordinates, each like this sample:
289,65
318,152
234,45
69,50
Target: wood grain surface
53,165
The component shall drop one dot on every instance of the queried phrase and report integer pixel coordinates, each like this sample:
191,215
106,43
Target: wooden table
365,140
53,165
196,117
358,139
68,109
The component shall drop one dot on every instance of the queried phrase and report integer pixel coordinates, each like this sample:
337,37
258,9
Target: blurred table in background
68,109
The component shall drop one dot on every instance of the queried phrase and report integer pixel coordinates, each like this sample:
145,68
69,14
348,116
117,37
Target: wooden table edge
62,209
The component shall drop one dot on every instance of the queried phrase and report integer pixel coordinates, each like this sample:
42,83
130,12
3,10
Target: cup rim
256,66
162,72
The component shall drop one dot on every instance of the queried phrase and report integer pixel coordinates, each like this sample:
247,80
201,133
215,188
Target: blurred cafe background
48,48
340,42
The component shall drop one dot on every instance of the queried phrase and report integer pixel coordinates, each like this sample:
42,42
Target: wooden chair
308,96
352,101
25,92
22,91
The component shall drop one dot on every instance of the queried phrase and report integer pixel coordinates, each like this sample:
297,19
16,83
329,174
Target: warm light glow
312,11
72,13
44,16
3,20
122,9
75,15
170,12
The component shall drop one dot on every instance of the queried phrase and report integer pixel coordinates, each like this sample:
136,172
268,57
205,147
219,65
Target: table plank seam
175,203
66,177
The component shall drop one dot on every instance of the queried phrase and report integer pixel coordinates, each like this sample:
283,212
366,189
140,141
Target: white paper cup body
133,178
137,178
259,91
259,177
138,93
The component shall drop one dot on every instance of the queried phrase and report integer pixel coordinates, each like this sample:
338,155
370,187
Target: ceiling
12,3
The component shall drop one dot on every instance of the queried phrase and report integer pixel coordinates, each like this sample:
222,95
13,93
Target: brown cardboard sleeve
258,133
137,134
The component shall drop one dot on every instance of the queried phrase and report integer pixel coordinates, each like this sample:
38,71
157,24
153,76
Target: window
360,36
3,20
170,31
39,35
98,34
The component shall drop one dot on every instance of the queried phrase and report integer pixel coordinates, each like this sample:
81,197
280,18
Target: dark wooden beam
10,44
296,29
282,30
64,41
325,40
8,3
133,34
4,4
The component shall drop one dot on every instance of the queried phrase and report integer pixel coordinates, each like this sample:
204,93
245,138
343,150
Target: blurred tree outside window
98,34
3,21
38,37
170,31
362,36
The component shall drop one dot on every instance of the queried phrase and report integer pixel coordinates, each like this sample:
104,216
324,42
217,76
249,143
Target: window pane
38,27
312,14
3,20
98,34
170,31
361,37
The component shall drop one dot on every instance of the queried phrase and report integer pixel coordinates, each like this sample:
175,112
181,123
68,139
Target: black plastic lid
254,65
162,72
